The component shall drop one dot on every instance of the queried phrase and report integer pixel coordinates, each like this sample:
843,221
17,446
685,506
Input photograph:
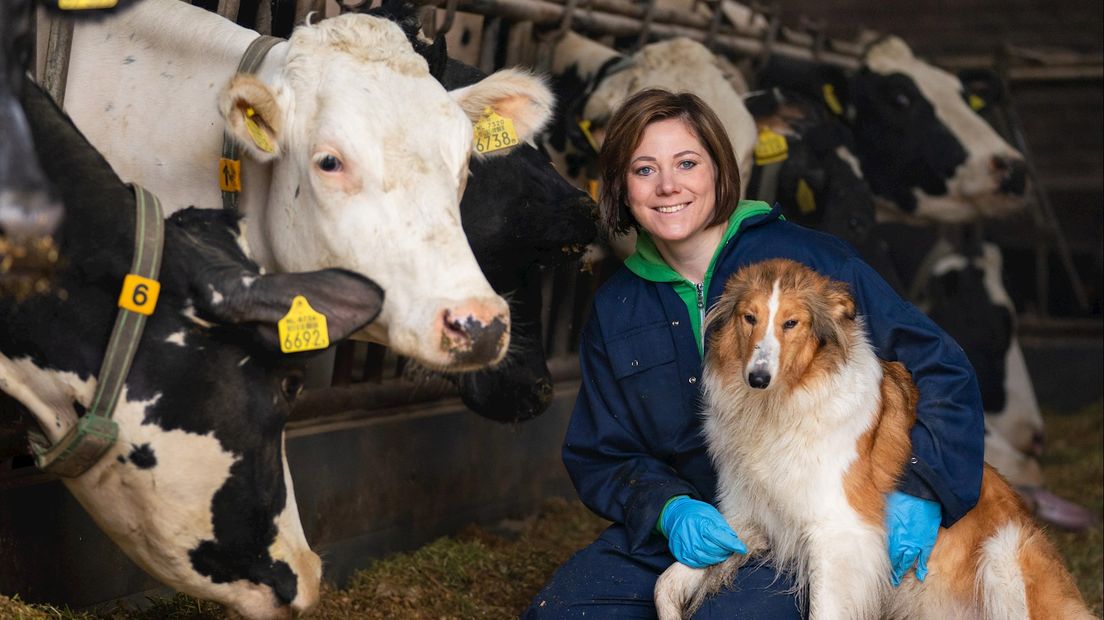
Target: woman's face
672,182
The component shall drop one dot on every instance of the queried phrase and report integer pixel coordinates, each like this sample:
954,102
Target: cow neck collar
230,162
95,432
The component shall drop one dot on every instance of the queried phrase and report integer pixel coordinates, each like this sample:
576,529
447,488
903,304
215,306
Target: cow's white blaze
975,186
145,87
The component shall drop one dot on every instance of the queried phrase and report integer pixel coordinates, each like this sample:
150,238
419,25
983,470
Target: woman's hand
912,525
697,533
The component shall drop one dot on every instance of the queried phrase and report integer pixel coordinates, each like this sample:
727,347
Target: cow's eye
329,163
792,323
903,101
292,386
750,318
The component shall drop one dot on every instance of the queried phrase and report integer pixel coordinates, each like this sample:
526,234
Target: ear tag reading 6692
493,132
303,328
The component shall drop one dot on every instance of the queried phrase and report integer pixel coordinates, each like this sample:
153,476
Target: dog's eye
750,318
792,323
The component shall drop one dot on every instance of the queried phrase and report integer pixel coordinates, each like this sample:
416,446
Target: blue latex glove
697,534
912,524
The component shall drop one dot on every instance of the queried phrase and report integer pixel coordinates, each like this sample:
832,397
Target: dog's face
778,325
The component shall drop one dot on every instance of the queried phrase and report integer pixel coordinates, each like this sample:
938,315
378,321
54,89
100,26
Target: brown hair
623,135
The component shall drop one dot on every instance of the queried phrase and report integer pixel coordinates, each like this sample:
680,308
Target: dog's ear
721,313
833,314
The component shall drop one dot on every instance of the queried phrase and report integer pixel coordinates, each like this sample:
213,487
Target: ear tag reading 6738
303,328
493,132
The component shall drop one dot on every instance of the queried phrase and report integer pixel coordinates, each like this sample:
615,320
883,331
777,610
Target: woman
634,448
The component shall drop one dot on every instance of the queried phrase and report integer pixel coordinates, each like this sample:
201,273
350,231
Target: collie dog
808,431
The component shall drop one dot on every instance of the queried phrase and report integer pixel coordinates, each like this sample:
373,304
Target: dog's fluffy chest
781,461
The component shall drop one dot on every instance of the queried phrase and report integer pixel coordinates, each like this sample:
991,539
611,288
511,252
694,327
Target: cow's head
923,148
29,209
352,162
196,489
922,144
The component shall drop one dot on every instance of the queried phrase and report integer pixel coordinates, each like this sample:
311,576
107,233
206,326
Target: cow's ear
348,300
517,95
253,115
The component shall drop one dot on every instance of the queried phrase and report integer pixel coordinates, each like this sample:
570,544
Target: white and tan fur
804,461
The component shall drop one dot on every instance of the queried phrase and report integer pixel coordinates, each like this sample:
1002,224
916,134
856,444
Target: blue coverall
634,439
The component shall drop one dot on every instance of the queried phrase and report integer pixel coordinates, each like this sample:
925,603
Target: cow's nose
1012,172
759,379
1038,443
475,333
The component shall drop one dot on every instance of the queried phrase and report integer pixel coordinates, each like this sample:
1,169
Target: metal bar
56,71
1046,210
602,23
229,9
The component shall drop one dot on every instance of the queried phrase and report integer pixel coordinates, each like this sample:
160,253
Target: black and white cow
816,179
520,217
29,209
196,490
923,149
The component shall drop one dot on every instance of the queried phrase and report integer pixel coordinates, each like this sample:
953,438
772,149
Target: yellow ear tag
494,132
592,189
302,328
229,175
260,138
830,98
139,294
771,147
83,5
806,201
976,103
584,126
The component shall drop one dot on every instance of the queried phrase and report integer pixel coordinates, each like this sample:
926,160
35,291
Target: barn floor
484,574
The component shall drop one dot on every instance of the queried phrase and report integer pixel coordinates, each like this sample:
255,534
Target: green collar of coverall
648,263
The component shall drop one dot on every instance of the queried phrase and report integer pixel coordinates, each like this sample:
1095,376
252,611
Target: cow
356,157
814,174
196,488
521,218
924,151
964,294
30,211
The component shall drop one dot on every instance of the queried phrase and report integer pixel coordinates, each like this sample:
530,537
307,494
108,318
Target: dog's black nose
759,379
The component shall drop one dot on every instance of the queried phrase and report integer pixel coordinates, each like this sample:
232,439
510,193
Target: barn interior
386,458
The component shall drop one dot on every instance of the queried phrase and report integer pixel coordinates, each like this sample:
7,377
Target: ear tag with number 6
493,132
303,328
260,138
139,294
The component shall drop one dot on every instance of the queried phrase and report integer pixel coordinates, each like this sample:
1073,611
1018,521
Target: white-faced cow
923,149
356,157
196,489
29,209
520,217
